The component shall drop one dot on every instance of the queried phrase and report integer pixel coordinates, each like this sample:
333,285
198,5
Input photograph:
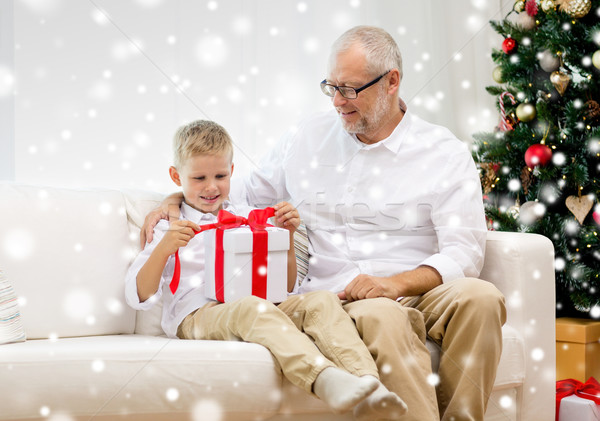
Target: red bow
588,390
257,220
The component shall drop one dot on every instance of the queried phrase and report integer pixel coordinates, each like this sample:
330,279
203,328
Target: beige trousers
395,336
464,318
306,333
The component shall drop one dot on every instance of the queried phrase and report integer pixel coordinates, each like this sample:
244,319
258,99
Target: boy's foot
341,390
380,405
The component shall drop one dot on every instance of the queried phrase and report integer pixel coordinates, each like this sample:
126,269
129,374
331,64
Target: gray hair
381,51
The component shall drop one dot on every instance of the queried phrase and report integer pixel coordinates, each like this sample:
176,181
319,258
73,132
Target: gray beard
370,122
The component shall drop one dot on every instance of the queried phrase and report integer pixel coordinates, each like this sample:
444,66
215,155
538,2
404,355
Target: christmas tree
540,167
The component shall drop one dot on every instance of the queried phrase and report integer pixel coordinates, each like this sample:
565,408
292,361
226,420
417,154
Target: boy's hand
286,216
179,235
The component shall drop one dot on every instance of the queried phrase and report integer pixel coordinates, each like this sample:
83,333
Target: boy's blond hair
200,137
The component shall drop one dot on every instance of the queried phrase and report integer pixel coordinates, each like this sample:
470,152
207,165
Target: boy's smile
205,180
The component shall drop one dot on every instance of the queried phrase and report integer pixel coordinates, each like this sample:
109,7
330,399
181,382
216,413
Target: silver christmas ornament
531,212
548,61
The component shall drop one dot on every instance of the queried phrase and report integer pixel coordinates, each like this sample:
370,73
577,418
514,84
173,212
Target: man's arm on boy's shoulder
168,209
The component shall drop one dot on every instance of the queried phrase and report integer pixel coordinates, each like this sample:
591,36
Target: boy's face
205,180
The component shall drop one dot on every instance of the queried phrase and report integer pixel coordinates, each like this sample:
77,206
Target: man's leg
464,317
395,337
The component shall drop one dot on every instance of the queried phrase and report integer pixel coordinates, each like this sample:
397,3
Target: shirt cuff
134,301
446,267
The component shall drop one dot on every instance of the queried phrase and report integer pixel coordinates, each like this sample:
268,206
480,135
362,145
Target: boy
203,166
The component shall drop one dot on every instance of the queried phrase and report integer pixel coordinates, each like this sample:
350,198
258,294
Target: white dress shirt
411,199
190,293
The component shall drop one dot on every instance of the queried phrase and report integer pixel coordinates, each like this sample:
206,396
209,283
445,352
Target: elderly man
395,223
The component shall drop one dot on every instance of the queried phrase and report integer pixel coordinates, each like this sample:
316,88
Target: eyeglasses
346,91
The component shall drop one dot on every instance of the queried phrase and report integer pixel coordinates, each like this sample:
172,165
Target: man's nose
338,100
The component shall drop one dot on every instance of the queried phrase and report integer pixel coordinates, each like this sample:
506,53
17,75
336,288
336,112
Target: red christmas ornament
596,214
531,8
509,45
537,154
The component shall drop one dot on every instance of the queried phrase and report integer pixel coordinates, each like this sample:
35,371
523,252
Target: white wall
7,109
101,85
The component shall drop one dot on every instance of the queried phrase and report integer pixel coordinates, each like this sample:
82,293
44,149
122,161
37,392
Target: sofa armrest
522,267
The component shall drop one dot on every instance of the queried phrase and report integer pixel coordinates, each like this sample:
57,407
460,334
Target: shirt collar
394,140
196,216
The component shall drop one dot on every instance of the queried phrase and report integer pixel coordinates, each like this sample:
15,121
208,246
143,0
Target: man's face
365,114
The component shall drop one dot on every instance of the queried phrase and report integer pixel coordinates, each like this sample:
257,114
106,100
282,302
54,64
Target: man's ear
175,175
394,81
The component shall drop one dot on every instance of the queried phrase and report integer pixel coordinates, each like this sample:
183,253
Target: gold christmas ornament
579,206
487,176
497,75
526,112
575,8
596,59
548,5
519,6
560,80
514,211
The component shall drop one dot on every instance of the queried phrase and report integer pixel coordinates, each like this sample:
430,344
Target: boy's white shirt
190,293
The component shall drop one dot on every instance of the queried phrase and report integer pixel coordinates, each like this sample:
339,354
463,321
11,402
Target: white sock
341,390
380,405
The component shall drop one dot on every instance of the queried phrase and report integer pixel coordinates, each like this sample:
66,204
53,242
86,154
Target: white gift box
237,263
574,408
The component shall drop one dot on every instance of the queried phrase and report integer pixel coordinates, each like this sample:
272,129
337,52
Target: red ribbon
257,221
588,390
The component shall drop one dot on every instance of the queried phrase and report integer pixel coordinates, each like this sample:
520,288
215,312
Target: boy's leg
255,320
395,336
320,315
252,319
464,317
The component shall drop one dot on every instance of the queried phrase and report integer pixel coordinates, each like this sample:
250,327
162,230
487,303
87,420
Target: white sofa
89,356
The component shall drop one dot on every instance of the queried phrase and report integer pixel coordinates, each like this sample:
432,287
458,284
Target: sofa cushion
118,374
138,204
510,374
511,369
11,328
67,253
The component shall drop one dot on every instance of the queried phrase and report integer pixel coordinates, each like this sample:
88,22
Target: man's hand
287,216
411,283
367,286
168,209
